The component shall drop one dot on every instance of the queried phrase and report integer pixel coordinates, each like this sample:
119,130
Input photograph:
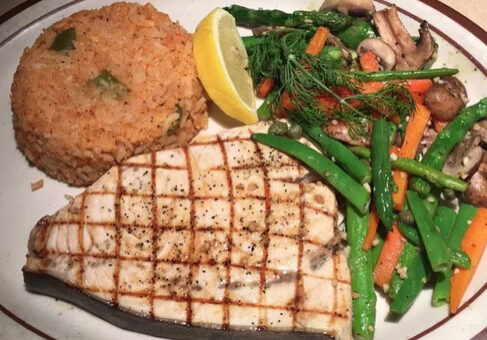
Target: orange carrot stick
369,62
372,231
417,124
418,85
265,87
318,40
388,257
473,244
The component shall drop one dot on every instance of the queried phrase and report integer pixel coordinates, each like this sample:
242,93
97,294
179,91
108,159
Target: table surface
475,10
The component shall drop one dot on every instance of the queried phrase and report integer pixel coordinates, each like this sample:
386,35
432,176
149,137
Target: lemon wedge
221,61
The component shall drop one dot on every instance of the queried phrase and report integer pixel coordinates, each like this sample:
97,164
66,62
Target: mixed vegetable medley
397,141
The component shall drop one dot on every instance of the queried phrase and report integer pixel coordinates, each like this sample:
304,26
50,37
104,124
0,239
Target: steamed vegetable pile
391,131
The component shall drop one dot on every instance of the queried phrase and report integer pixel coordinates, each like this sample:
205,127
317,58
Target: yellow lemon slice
221,62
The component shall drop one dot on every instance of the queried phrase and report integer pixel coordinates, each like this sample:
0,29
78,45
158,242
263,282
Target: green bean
376,249
459,258
364,301
355,193
264,112
361,151
435,246
381,172
422,170
441,292
64,40
466,212
447,139
410,233
404,75
408,254
343,156
248,17
433,176
418,274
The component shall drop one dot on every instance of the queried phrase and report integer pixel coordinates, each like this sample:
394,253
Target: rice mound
74,133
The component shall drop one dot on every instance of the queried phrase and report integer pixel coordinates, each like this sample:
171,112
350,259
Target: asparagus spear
247,17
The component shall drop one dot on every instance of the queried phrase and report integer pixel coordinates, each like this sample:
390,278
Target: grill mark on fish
263,319
298,285
226,307
154,234
189,307
81,245
118,236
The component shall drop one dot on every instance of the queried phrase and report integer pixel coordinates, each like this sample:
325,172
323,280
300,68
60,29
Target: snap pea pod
459,258
445,219
357,32
376,249
434,245
247,17
404,75
381,172
447,139
355,193
364,301
410,233
441,292
343,156
418,274
419,169
408,254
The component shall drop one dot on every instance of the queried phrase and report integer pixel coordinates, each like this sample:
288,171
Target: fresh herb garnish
64,40
176,123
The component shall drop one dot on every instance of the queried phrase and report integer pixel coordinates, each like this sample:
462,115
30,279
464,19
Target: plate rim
438,6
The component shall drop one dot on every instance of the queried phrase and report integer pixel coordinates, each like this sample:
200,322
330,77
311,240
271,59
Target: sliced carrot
370,87
372,231
439,124
388,257
318,40
473,244
418,85
417,124
369,62
265,87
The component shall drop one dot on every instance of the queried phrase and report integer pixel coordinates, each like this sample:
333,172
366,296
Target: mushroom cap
350,7
445,98
382,50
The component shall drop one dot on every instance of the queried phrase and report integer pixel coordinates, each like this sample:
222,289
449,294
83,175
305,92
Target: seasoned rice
74,133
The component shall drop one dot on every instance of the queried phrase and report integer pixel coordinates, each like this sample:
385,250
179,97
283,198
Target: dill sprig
280,55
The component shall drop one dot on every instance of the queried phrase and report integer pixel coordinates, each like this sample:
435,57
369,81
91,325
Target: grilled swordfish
223,235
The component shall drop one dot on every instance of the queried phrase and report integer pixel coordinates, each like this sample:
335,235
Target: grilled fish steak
223,234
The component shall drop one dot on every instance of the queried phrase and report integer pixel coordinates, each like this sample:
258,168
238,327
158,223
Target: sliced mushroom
480,129
385,53
350,7
340,130
465,158
476,192
409,56
445,98
334,41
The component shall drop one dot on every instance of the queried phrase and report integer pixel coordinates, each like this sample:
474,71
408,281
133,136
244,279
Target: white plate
20,208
